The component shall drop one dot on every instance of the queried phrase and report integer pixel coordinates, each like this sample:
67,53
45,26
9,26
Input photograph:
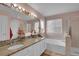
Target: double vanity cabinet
35,49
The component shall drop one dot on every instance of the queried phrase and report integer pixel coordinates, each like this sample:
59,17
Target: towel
11,34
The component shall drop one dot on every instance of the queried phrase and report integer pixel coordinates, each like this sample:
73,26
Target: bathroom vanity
33,50
32,47
20,26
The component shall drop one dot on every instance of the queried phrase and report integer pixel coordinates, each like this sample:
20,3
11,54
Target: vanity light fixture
20,9
33,15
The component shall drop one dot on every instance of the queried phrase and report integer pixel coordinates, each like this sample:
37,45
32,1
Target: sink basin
15,47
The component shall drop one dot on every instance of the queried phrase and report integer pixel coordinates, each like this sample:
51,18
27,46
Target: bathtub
56,42
56,45
74,51
59,46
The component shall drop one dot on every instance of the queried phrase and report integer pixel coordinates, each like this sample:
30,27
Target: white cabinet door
43,46
37,49
31,50
4,28
24,52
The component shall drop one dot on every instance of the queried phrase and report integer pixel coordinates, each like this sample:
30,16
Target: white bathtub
56,42
59,46
56,45
74,51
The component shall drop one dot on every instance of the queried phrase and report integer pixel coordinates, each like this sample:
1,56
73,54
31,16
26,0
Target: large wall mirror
39,26
13,22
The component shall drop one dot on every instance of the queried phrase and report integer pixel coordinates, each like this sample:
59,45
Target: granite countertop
27,42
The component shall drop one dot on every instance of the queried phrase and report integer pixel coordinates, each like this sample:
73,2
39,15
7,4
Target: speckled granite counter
27,42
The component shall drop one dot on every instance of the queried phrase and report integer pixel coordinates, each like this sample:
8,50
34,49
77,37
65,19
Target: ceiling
47,9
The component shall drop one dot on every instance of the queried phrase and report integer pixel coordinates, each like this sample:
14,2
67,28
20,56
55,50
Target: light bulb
19,7
23,9
15,5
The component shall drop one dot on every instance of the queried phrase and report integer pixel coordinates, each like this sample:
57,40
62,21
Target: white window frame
49,30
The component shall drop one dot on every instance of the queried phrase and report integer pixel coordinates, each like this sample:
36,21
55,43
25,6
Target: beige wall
75,31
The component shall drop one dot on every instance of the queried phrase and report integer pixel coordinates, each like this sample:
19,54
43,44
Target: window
54,26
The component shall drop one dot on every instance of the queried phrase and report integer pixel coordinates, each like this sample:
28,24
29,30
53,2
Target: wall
75,31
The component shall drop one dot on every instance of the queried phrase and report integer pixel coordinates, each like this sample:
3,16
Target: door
4,28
